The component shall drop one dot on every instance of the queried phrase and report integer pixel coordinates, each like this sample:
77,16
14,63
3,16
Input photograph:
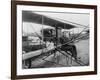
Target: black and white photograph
52,40
55,39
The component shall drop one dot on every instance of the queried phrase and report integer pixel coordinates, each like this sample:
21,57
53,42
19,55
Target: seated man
68,47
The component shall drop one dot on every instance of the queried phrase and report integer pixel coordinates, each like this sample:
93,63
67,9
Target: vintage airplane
47,35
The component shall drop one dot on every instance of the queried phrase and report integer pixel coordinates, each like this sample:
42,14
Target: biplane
47,43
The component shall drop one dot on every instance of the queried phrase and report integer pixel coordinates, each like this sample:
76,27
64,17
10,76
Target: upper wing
29,16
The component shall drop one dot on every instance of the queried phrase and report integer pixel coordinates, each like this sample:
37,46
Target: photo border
14,39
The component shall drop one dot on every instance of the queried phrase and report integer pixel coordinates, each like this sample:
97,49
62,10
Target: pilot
68,47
